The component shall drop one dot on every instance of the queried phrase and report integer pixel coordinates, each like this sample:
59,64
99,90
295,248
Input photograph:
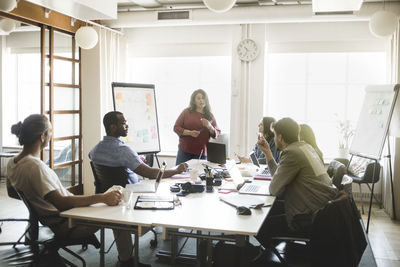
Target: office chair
370,176
13,194
105,177
53,243
336,237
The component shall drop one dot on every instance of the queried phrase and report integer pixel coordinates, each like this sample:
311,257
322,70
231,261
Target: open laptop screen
254,159
216,153
160,174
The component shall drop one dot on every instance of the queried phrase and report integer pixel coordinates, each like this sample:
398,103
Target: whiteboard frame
140,85
390,115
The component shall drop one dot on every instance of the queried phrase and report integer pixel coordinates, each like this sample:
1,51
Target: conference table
197,213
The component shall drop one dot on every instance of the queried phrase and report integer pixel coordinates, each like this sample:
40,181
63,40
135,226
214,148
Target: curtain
111,65
393,141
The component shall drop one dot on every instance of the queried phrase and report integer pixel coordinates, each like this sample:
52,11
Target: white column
247,91
91,110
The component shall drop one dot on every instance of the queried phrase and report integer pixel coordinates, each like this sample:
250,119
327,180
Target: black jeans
274,225
184,156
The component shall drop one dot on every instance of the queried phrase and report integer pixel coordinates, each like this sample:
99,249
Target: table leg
137,249
209,252
174,248
241,242
101,247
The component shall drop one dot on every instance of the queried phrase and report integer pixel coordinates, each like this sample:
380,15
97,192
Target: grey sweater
303,180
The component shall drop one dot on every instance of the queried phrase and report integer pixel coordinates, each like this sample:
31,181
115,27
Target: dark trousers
184,156
276,225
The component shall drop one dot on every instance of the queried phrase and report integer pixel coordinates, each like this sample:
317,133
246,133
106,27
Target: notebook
154,202
216,153
264,172
148,187
255,188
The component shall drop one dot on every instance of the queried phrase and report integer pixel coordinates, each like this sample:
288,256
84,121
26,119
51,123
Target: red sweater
191,121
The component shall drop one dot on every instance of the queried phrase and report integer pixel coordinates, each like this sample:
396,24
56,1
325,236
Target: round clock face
247,50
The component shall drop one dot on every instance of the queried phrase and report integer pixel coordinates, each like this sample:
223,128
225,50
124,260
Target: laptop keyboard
265,172
252,188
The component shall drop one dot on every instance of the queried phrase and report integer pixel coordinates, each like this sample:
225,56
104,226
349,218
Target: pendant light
383,23
219,6
86,37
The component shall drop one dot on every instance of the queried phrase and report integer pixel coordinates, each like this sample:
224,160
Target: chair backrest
33,233
372,173
337,234
105,177
11,191
336,170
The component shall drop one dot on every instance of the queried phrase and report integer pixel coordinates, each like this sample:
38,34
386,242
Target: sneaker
130,263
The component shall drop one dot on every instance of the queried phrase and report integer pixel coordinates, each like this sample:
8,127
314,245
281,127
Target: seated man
300,179
45,192
113,152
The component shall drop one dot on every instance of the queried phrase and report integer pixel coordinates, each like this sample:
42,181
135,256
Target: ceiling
138,5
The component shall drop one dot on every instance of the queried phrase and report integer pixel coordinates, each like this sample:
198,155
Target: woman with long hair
307,135
195,126
264,129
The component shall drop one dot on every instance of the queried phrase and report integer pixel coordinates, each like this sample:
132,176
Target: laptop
255,189
216,153
262,172
148,187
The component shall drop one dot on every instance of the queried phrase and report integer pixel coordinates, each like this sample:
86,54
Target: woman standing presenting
195,126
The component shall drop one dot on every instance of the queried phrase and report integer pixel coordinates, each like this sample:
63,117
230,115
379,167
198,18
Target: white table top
199,211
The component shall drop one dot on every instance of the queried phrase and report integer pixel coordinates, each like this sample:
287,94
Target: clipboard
154,202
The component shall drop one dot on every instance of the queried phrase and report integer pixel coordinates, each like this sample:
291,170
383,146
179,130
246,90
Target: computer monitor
216,153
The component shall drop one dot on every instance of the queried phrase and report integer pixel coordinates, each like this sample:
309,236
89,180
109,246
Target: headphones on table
187,188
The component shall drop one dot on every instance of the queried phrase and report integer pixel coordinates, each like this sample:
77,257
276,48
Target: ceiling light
7,5
335,5
7,25
219,6
383,23
86,37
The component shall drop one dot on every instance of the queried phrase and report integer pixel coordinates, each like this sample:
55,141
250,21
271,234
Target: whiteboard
374,120
138,104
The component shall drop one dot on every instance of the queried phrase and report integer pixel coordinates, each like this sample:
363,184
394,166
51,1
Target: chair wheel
153,243
84,247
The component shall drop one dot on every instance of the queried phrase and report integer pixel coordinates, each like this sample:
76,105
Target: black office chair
52,243
13,194
336,237
370,176
105,177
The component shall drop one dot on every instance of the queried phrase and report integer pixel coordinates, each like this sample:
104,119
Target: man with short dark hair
113,152
300,179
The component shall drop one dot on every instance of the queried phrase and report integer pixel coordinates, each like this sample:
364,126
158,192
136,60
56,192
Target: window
321,89
62,104
21,77
175,79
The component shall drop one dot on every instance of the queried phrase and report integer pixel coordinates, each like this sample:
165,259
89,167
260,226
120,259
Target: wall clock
247,50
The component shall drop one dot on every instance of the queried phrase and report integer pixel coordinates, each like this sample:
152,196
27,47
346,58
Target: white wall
248,78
